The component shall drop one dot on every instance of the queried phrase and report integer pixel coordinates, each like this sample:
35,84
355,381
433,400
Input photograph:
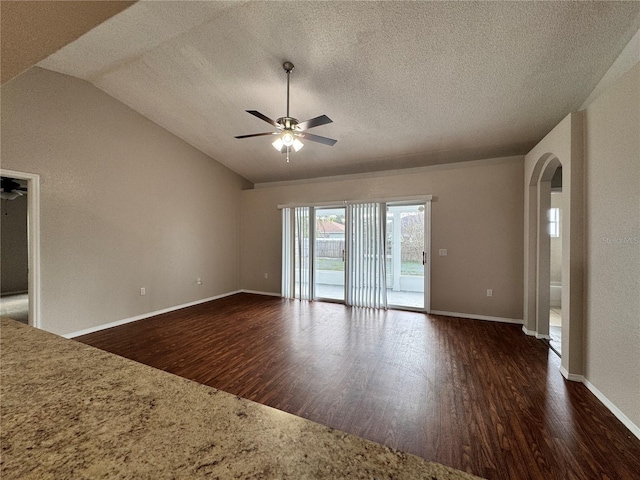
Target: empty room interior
247,239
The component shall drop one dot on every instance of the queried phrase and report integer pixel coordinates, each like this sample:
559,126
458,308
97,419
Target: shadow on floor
15,307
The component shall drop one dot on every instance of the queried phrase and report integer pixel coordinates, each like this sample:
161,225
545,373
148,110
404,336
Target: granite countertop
72,411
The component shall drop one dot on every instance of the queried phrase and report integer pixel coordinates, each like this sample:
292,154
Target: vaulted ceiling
406,83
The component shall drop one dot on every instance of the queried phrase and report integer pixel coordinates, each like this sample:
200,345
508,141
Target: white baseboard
573,377
615,410
477,317
145,315
255,292
533,333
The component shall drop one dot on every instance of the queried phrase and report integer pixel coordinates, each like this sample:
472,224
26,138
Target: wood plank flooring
478,396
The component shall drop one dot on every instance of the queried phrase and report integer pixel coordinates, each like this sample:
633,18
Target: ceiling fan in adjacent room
290,130
11,189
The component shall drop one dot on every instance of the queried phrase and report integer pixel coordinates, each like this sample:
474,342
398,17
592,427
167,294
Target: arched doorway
542,185
562,147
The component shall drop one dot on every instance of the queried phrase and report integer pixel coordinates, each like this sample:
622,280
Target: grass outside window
336,264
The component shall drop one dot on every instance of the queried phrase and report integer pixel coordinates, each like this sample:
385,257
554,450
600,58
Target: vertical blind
365,254
287,253
297,232
366,265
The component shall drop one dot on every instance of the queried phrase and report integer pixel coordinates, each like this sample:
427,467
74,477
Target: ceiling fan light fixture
287,139
297,145
10,195
278,144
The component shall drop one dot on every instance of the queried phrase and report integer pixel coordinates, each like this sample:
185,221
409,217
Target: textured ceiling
30,31
406,83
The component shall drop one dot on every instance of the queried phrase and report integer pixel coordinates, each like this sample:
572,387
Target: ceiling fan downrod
288,67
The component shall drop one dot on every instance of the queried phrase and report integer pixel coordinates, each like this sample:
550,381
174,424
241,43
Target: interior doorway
20,227
561,147
14,250
555,263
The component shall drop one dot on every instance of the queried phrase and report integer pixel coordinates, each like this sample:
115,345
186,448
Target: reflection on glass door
406,255
329,261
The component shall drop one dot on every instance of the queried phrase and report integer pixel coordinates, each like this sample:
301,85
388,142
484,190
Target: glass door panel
329,261
406,255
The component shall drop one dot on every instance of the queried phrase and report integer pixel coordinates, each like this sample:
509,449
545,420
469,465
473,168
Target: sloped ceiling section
31,31
406,83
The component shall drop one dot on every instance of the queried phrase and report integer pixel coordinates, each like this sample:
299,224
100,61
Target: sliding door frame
427,252
313,219
426,203
409,200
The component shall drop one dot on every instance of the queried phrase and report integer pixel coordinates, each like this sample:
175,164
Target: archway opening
555,263
545,251
562,147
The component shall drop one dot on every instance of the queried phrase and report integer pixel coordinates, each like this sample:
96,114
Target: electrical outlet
443,252
266,275
489,293
198,281
143,291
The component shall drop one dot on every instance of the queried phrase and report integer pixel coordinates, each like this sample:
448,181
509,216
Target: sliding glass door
372,254
406,255
329,256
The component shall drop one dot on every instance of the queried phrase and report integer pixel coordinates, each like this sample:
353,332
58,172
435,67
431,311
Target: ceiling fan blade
317,138
314,122
256,113
256,135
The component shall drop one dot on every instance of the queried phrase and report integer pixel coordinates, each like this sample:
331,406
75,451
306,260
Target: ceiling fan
11,189
290,130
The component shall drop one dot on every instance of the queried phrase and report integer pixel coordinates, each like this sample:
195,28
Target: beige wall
13,246
124,204
612,291
476,216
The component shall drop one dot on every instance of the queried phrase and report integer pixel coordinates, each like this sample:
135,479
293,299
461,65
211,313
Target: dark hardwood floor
478,396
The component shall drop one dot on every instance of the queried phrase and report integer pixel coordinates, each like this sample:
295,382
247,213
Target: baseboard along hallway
476,395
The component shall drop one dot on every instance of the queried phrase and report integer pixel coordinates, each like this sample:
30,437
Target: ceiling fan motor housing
288,123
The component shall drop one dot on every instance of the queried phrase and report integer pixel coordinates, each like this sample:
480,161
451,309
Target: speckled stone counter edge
72,411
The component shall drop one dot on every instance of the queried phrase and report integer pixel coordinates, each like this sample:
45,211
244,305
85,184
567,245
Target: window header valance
339,203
